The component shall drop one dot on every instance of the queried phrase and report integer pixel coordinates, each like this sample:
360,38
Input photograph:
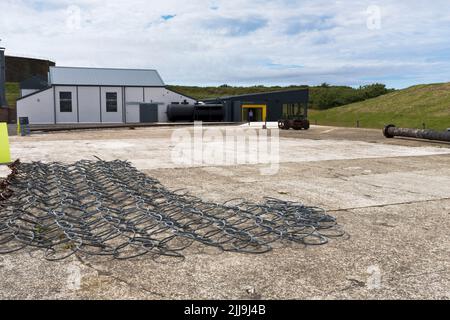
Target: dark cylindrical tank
392,131
209,113
180,112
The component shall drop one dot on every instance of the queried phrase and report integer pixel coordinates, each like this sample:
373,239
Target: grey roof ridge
98,68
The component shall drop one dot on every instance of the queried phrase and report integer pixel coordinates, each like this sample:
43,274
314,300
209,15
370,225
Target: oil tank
210,113
180,112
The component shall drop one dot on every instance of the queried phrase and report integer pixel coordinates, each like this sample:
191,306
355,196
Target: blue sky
240,42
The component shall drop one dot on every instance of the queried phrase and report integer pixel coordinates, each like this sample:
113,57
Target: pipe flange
386,131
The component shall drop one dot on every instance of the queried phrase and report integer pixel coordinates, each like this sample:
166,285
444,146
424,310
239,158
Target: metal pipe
392,131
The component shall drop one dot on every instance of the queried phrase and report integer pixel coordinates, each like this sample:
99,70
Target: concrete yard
391,196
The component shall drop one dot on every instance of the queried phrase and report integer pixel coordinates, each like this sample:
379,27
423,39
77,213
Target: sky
240,42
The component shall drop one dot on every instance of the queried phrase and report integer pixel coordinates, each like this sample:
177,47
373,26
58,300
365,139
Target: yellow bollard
5,155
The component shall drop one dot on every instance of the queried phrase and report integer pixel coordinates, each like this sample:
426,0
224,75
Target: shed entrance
254,112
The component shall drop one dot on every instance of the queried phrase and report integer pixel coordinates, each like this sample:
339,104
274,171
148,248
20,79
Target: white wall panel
89,104
66,117
39,108
112,117
133,97
25,92
86,106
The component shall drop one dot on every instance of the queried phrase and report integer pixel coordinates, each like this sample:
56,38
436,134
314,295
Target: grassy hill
429,104
320,97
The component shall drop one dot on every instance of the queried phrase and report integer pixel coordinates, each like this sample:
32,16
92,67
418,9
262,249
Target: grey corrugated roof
104,77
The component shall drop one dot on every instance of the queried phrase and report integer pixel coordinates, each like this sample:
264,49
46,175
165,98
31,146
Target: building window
111,102
65,101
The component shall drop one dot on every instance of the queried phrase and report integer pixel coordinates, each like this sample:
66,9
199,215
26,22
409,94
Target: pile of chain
111,209
5,191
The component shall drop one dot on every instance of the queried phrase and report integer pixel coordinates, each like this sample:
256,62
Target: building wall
112,117
273,100
25,92
66,117
133,97
89,104
39,108
164,97
274,109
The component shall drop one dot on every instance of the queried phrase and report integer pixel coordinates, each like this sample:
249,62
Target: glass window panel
111,102
65,101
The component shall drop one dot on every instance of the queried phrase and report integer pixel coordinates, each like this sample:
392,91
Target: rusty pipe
392,131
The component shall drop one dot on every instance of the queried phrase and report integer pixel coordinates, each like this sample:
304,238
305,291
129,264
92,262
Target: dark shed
276,105
34,83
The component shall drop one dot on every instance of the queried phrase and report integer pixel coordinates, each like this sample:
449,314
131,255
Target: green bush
322,97
327,97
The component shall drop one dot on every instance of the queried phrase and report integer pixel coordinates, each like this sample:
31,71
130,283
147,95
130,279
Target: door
258,111
148,113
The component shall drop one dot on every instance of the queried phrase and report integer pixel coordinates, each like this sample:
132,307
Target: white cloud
239,41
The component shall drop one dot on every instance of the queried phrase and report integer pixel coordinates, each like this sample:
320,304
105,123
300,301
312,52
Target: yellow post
5,155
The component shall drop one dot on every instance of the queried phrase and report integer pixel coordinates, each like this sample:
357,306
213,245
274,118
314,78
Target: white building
88,95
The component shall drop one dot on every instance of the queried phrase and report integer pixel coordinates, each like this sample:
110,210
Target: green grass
429,104
12,93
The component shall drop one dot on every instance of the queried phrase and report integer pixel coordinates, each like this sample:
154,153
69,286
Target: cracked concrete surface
391,196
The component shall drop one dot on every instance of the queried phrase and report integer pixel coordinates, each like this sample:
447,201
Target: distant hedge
327,97
322,97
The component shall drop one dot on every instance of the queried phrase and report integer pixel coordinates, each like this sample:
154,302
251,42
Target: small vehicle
297,124
295,116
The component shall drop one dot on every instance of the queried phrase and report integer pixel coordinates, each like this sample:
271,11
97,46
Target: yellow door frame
263,107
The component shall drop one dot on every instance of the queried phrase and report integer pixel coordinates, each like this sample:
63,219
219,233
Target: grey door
148,112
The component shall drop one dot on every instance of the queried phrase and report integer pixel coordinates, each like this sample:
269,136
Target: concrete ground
391,196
